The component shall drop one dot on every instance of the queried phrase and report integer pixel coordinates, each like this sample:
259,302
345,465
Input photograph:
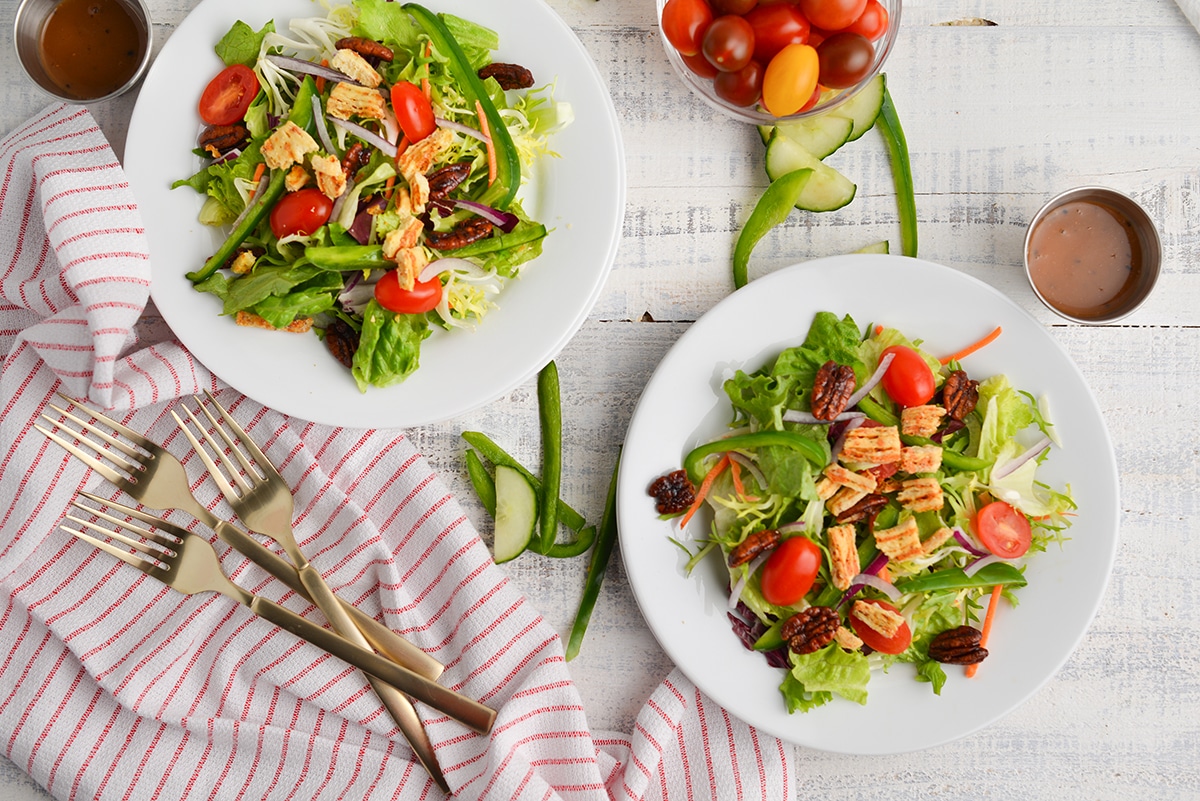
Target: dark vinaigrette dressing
90,48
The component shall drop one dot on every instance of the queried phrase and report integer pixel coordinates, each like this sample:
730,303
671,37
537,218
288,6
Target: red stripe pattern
114,686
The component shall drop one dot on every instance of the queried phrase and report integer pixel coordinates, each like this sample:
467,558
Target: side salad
366,165
869,504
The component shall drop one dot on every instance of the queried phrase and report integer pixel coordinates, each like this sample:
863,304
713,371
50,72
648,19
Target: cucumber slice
863,108
516,514
826,190
764,131
819,135
876,247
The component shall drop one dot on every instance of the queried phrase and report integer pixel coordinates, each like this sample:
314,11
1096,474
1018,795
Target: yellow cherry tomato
790,79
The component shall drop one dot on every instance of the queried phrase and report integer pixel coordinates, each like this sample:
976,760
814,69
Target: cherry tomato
413,111
741,88
790,79
728,43
845,59
832,15
790,571
908,380
301,212
776,27
896,644
739,7
699,65
424,296
684,23
227,96
1003,530
872,23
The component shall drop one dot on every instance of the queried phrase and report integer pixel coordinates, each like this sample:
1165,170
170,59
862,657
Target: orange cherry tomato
790,79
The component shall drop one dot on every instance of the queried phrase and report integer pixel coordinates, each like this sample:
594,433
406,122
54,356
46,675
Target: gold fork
152,475
188,563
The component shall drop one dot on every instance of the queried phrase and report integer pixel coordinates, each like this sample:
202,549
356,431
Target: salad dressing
1084,259
91,48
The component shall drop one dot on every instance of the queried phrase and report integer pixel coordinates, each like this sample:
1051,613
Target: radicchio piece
367,209
748,628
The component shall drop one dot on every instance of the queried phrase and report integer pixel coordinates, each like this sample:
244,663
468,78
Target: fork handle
381,638
465,710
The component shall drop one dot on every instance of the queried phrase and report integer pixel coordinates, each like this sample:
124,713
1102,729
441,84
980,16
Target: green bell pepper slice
807,446
997,573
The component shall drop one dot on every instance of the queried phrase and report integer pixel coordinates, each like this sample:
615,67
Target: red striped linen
114,686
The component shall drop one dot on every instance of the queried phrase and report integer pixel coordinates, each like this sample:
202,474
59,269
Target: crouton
900,542
921,421
287,146
921,459
250,320
920,495
871,445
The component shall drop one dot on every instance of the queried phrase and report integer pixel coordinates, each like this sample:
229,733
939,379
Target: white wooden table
998,119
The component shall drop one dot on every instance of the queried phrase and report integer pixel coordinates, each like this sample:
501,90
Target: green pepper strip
951,459
772,209
347,257
692,463
771,638
954,578
301,115
597,566
550,415
518,236
508,165
897,146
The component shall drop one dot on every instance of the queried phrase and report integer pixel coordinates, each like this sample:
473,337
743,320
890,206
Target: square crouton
921,421
418,158
356,67
826,489
936,540
900,542
843,556
296,179
843,500
871,445
882,620
920,495
407,235
921,459
861,482
287,146
847,639
347,100
409,264
331,178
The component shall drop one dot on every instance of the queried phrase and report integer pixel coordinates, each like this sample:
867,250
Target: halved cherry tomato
790,80
896,644
741,88
227,96
776,27
1003,530
832,15
424,296
872,23
301,212
790,571
908,380
846,59
728,43
413,111
684,23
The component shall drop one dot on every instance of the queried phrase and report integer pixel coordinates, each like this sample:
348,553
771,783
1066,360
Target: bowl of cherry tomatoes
768,60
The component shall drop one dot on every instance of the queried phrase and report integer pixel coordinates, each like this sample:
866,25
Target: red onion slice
796,416
322,131
370,137
309,68
870,570
981,563
735,592
258,193
439,266
1011,465
463,129
836,450
868,580
968,545
228,155
870,383
503,220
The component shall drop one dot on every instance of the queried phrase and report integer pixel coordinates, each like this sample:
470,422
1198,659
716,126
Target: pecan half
756,543
509,76
444,181
959,395
355,159
958,646
342,341
811,630
224,138
832,387
865,509
469,230
367,48
672,492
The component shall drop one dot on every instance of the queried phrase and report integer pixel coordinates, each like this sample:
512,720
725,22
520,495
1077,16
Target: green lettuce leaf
833,670
390,346
242,44
385,22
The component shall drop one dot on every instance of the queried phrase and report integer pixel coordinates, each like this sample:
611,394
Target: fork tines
152,544
234,473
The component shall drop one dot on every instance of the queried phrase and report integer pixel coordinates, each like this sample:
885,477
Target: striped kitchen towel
113,686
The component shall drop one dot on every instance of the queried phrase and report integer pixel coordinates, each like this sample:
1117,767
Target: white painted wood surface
998,119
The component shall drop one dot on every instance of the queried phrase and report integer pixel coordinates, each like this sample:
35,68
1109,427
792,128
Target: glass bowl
830,98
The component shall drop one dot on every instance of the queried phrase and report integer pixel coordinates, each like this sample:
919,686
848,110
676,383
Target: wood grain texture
998,119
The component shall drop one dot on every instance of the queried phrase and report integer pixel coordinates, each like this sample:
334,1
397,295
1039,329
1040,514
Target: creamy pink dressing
1084,258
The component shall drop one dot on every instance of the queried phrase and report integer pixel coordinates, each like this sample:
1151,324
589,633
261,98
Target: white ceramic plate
684,405
580,196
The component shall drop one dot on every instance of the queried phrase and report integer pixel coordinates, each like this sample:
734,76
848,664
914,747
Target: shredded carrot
967,351
387,186
705,486
258,171
491,150
993,602
320,79
425,78
735,472
878,330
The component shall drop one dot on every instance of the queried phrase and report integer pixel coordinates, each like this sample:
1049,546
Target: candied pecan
757,543
367,48
865,509
509,76
342,341
444,181
958,646
673,492
959,395
832,387
811,630
355,159
224,138
469,230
